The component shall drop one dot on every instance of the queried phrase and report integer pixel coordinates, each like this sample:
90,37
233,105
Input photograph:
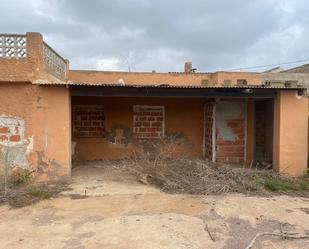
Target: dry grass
159,164
182,175
28,194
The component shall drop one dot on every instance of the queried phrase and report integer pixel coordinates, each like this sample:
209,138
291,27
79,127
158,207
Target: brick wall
148,121
11,130
230,131
232,152
88,121
208,130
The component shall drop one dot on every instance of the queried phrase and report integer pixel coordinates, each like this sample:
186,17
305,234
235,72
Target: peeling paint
29,146
48,169
16,126
224,112
16,156
14,153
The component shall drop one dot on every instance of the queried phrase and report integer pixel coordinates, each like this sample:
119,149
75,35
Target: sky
146,35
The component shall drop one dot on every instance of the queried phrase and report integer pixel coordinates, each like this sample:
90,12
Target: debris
143,178
281,235
209,233
195,176
305,210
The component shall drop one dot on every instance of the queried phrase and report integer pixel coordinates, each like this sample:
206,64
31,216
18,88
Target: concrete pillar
290,133
51,120
35,51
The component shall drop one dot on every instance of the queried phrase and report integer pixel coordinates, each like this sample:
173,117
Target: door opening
263,128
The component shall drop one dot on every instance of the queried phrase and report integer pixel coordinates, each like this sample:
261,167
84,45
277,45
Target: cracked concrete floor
120,213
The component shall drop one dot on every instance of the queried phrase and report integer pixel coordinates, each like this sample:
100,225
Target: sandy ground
117,212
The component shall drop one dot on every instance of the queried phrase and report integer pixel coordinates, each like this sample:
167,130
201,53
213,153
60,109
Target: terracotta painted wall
45,112
144,78
30,68
147,78
183,116
290,133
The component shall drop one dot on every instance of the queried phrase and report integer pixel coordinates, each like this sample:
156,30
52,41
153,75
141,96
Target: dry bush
157,165
196,176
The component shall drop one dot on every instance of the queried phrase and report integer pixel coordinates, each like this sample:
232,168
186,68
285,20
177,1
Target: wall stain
120,135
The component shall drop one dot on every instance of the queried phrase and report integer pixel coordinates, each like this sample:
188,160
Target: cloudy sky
145,35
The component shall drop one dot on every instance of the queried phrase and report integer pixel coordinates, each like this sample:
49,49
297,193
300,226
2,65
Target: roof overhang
181,91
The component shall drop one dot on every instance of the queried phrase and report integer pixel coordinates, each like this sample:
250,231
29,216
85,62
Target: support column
290,133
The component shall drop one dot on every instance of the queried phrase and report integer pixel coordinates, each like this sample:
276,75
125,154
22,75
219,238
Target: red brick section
14,138
88,121
9,134
232,152
208,123
148,121
4,138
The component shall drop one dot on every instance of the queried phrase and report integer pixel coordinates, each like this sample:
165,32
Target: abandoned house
51,115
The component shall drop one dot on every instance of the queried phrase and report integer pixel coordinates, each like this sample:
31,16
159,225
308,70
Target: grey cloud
163,34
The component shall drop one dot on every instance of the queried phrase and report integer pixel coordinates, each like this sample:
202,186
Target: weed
285,185
21,177
29,194
39,192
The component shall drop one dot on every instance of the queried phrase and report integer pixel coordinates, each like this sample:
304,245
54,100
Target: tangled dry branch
281,235
196,176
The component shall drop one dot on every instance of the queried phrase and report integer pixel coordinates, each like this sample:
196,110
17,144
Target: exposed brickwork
232,152
11,130
208,130
88,121
148,121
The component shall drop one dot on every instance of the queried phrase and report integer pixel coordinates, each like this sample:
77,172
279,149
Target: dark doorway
264,120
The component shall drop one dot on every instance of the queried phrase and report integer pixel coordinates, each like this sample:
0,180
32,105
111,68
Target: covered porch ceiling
256,91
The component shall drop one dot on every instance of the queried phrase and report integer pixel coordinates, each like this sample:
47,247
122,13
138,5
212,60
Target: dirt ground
108,208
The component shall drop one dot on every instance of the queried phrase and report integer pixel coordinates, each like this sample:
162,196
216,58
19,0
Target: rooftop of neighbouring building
27,58
299,69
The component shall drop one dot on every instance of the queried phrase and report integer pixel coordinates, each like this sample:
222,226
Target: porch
233,125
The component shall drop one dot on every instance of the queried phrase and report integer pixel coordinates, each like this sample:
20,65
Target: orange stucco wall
147,78
290,133
47,130
31,68
184,116
144,78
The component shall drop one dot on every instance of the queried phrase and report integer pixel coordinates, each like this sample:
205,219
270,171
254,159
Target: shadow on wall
121,136
169,146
